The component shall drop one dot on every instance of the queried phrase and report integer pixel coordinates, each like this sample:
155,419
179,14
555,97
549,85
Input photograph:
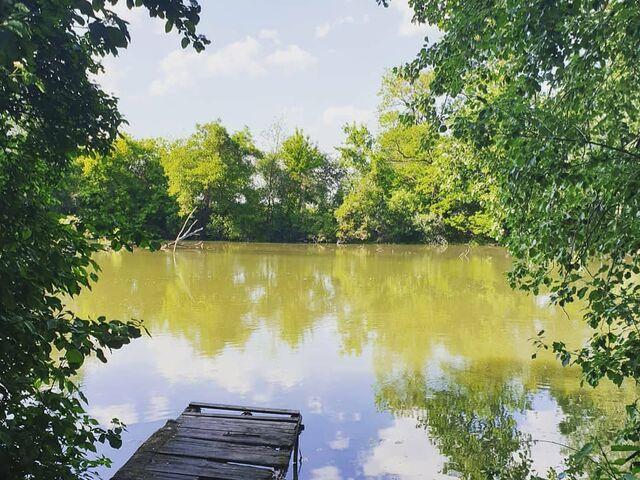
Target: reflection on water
407,362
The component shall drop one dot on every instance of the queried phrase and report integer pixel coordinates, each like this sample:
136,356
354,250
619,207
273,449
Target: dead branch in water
183,235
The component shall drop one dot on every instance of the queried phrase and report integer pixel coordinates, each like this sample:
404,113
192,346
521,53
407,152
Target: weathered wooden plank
205,423
170,476
247,437
230,452
199,467
146,475
240,408
242,418
208,446
135,467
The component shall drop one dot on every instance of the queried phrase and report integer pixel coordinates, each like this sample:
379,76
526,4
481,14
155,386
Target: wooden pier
210,441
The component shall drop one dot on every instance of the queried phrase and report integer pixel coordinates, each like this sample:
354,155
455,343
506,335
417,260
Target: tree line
383,187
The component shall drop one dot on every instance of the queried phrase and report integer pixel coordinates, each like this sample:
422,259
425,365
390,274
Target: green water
407,362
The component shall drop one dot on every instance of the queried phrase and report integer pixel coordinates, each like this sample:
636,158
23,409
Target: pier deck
211,441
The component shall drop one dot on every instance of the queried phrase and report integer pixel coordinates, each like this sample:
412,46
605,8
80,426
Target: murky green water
406,362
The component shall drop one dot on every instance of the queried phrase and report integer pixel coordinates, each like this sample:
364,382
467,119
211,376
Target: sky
313,64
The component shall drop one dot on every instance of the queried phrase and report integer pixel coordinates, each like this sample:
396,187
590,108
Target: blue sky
314,64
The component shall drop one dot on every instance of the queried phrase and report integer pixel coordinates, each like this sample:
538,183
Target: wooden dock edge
228,442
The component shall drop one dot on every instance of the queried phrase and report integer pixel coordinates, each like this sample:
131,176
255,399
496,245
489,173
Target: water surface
407,362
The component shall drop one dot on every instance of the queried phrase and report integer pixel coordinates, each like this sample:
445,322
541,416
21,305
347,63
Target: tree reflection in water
443,339
477,420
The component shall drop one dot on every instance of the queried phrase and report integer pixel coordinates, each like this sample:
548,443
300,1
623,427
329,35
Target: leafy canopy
128,187
50,112
548,94
411,183
210,172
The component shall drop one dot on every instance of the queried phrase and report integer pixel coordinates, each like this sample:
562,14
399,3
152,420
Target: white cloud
182,68
270,34
159,408
404,451
125,412
131,15
113,77
315,405
323,29
339,115
340,442
177,71
542,422
240,57
291,58
326,473
408,27
232,370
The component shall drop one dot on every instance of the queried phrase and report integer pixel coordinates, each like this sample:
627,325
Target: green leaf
74,357
584,452
625,448
115,442
101,356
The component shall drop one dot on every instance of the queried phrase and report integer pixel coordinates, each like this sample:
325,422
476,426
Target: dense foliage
211,172
299,191
547,93
390,187
127,187
50,112
411,183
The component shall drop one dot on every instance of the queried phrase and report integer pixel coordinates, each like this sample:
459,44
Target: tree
272,185
50,112
313,179
548,94
364,214
411,183
299,189
127,187
211,171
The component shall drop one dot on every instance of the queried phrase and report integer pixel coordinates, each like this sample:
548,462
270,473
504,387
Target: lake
407,362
